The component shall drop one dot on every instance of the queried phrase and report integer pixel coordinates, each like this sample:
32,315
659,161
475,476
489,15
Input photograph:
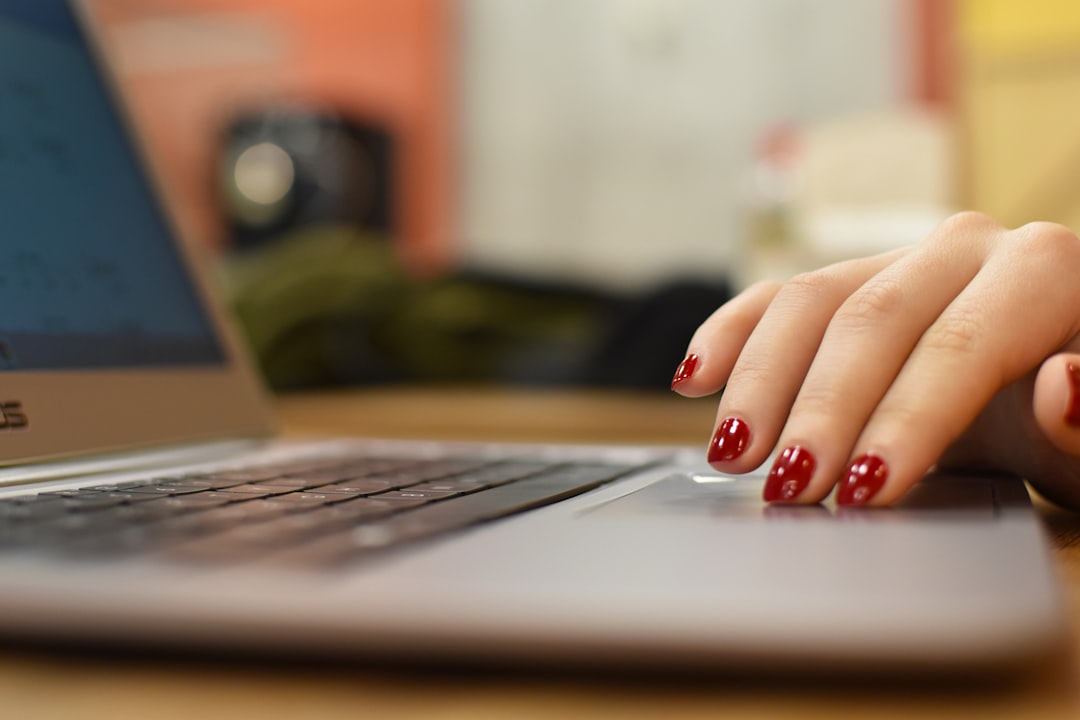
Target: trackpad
937,496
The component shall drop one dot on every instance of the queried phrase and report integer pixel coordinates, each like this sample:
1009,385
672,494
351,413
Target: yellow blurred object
1020,108
1011,26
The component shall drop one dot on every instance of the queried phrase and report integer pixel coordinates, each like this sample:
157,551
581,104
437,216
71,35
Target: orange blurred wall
384,60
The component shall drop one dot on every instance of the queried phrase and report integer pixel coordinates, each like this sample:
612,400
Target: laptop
144,499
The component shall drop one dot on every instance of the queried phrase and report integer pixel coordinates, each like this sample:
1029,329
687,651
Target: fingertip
717,342
695,378
864,481
790,476
729,441
1056,402
685,372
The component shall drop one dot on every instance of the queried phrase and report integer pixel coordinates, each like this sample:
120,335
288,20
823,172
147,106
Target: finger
867,342
1056,403
774,359
716,343
996,331
1052,463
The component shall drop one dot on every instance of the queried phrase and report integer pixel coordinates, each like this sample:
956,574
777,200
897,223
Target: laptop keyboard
308,514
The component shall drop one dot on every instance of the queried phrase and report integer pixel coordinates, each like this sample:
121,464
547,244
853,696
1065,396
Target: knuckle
968,231
752,372
819,400
742,310
957,332
899,416
808,288
967,223
872,303
1048,241
763,287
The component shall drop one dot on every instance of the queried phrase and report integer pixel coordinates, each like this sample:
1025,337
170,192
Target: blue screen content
89,272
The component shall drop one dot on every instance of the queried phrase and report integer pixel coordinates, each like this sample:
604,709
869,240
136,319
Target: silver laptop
143,499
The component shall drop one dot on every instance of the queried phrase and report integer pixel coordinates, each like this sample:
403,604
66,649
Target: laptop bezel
74,413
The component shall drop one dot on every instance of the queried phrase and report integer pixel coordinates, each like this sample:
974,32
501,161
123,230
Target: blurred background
540,192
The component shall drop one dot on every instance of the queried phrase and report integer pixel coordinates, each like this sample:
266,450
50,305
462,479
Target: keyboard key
360,486
421,496
249,475
288,483
180,504
86,502
255,490
167,488
363,508
457,484
300,500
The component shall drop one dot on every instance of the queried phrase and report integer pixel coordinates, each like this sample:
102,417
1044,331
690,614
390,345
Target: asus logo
12,416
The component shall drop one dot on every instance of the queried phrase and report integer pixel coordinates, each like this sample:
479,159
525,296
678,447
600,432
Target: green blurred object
331,306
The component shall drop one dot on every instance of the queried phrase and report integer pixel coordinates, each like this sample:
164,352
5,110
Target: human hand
959,352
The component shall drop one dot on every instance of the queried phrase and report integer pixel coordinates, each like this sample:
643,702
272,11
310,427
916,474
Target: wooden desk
37,683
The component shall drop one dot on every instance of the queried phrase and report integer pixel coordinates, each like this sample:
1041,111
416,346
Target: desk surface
39,683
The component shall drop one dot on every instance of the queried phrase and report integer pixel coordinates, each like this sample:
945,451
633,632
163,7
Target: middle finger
866,343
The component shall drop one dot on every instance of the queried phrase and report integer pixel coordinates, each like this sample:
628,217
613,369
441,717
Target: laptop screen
89,273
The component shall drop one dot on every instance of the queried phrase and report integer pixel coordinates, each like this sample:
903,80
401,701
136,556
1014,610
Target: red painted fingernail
864,479
730,440
790,474
1072,411
685,370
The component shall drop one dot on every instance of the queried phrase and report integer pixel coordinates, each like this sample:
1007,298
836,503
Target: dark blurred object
284,170
646,336
331,306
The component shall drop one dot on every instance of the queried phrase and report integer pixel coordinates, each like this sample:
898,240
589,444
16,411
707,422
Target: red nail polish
1072,411
865,478
730,440
790,474
685,370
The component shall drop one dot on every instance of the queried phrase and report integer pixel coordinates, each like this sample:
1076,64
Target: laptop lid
108,339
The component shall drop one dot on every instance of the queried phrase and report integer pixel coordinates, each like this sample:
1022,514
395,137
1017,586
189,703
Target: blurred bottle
771,248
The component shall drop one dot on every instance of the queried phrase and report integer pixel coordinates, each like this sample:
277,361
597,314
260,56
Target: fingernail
864,479
685,370
1072,412
790,474
730,440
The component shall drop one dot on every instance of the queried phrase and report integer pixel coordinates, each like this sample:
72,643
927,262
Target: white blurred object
873,182
859,184
607,140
